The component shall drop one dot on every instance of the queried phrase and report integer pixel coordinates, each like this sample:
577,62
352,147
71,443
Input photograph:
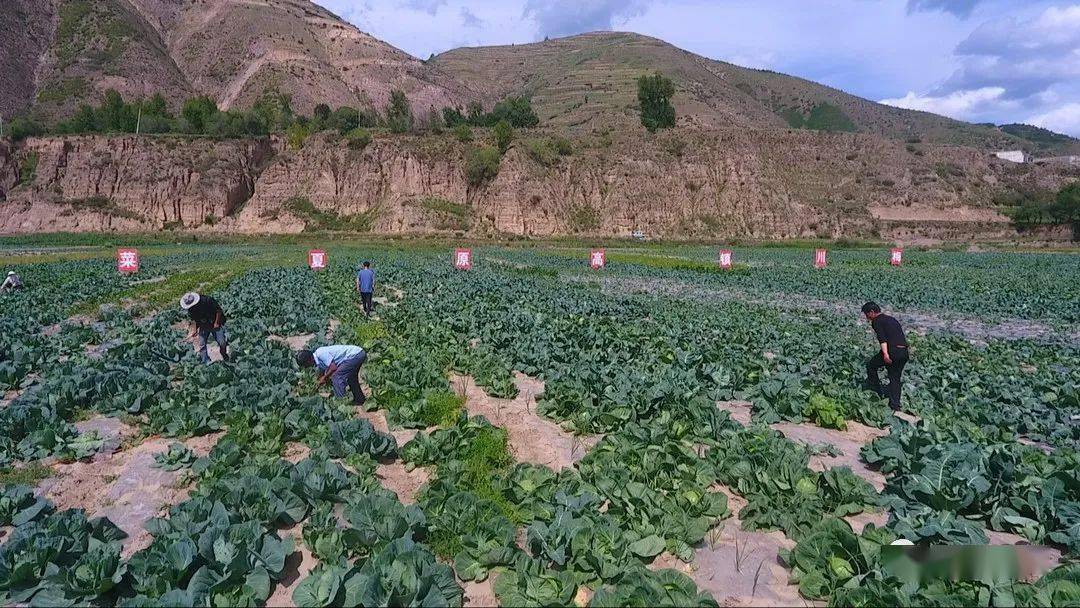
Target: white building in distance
1013,156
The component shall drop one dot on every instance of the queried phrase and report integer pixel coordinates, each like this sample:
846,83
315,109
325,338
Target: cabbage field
659,432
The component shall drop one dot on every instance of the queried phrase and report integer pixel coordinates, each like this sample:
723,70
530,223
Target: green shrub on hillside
482,165
28,168
358,139
463,133
504,135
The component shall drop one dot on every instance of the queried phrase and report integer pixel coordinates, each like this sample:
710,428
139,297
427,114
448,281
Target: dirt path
739,567
974,329
849,442
392,474
532,438
123,486
298,565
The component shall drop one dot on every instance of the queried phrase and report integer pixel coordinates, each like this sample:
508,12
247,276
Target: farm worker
365,284
207,319
12,283
339,363
893,356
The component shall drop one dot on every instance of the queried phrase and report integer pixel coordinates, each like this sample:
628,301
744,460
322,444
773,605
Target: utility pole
1,126
138,121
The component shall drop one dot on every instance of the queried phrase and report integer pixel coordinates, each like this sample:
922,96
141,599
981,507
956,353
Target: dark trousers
894,370
220,337
348,374
365,298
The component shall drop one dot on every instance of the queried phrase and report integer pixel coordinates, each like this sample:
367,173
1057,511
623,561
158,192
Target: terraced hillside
588,81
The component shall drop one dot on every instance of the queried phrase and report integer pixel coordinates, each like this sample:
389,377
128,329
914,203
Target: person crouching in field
208,319
338,363
12,283
893,356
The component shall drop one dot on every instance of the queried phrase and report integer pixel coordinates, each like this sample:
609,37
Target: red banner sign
725,259
821,258
463,259
897,256
316,259
127,260
597,259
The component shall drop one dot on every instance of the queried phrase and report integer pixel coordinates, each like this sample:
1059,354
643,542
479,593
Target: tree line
271,113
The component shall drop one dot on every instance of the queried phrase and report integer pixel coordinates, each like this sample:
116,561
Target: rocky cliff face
692,184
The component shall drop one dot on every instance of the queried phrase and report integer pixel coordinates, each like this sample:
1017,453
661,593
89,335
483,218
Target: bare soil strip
739,567
123,486
532,438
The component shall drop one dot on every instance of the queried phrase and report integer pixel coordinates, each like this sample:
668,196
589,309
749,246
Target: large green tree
399,116
654,97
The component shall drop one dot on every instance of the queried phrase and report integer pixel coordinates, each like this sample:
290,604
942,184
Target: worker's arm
194,328
885,352
218,319
357,282
328,373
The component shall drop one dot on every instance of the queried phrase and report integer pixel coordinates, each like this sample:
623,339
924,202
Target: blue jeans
220,337
348,374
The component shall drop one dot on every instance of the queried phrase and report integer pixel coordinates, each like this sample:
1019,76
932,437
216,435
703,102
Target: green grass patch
100,204
822,117
671,263
441,408
30,474
316,219
448,215
368,332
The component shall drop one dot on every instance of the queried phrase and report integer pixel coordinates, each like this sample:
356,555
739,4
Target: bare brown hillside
588,82
67,52
725,183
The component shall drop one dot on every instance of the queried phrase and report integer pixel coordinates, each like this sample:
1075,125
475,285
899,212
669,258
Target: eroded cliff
684,183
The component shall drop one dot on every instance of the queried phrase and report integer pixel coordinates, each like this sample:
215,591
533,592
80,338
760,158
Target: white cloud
963,105
565,17
1065,119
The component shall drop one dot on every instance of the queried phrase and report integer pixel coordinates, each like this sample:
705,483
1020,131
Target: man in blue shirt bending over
365,284
339,363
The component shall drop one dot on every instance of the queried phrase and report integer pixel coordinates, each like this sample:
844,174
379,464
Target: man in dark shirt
365,284
893,356
208,319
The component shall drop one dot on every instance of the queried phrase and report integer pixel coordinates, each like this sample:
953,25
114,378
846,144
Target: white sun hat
188,300
10,273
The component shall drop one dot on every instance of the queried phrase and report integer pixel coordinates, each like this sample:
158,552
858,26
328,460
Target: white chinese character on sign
318,259
597,259
725,259
463,258
128,260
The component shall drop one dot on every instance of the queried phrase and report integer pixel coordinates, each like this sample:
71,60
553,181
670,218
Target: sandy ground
293,342
533,439
298,565
392,474
849,442
480,595
121,485
739,567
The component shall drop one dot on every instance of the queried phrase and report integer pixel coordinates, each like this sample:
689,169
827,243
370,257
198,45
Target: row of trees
272,112
1064,209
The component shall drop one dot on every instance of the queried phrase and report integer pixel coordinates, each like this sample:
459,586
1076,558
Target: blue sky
977,60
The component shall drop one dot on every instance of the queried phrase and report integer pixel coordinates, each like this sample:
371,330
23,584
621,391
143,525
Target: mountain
66,52
588,82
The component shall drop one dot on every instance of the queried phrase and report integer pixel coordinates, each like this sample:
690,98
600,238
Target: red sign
316,259
597,259
897,257
463,259
127,260
725,259
821,259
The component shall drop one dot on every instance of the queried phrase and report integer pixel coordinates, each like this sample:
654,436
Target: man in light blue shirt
365,284
339,363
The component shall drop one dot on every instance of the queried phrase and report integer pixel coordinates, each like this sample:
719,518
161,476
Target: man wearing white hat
208,319
12,282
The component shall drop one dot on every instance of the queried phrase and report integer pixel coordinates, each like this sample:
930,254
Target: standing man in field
12,283
340,364
893,356
365,284
208,319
